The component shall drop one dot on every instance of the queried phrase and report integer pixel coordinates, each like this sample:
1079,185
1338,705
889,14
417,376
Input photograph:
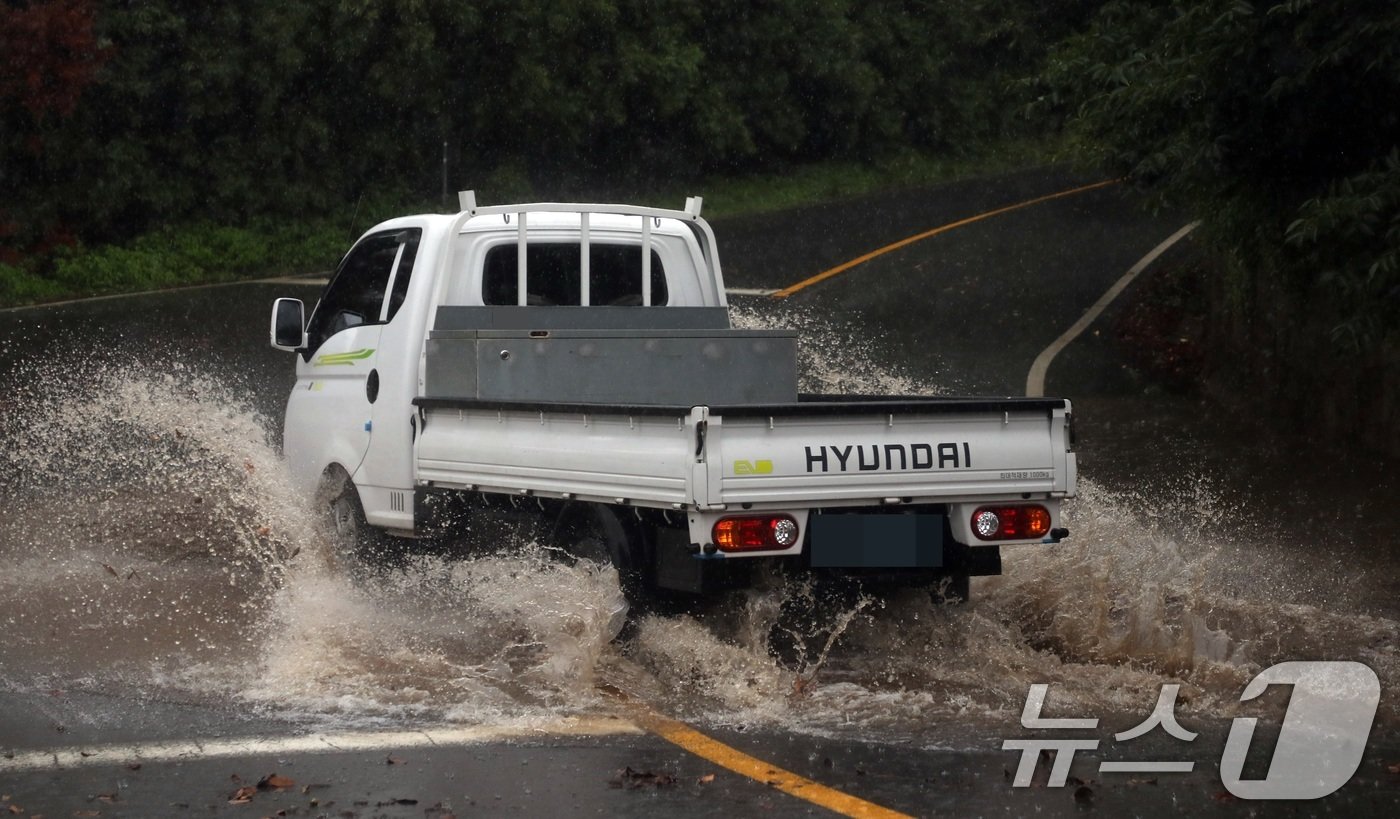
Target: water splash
157,544
834,358
154,543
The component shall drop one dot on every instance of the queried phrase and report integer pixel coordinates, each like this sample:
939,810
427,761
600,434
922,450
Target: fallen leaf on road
263,531
706,779
135,766
16,809
108,798
393,760
1225,796
274,781
1152,781
1395,769
242,796
633,779
110,570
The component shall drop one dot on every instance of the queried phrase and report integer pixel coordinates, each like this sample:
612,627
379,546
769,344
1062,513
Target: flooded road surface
162,582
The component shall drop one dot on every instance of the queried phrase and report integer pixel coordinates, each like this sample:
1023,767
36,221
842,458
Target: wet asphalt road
969,310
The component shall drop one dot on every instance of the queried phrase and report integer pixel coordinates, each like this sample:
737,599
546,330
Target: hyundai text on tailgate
575,363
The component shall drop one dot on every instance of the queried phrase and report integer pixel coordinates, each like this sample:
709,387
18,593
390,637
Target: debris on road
275,782
633,779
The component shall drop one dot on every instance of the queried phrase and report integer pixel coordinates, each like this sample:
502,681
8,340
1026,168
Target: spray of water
154,542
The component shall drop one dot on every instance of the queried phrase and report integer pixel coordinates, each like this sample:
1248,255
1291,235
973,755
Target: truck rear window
552,275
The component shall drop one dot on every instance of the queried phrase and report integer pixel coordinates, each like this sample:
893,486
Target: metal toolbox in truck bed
646,367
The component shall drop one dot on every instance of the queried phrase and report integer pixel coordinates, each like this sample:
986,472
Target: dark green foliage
1275,122
181,111
1350,237
1277,125
196,253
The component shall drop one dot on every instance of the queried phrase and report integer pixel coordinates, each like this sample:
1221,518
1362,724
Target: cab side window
367,275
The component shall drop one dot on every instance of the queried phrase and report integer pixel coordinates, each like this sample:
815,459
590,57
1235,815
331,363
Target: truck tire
355,544
595,534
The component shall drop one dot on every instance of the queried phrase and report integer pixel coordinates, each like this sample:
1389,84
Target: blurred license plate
876,541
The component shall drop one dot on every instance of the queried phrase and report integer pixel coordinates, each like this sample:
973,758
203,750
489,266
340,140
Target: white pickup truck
575,362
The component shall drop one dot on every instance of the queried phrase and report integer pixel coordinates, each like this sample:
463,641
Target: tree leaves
1275,122
262,108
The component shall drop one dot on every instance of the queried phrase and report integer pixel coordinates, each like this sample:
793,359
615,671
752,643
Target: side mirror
288,330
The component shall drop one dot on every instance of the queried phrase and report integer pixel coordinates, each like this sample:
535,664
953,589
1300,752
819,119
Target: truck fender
334,480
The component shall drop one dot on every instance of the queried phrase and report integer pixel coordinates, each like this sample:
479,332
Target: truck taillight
1011,522
755,533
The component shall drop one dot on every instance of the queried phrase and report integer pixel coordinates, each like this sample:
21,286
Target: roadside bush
199,253
1274,123
19,286
114,269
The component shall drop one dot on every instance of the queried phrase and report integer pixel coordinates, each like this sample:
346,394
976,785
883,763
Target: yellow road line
859,260
705,747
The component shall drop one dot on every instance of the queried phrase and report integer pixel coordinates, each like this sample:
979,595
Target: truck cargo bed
817,451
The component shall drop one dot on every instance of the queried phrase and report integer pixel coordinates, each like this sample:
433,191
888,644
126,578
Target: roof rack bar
467,200
690,215
584,261
646,261
521,248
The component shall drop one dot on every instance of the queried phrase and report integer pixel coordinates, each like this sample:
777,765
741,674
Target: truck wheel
598,536
353,541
